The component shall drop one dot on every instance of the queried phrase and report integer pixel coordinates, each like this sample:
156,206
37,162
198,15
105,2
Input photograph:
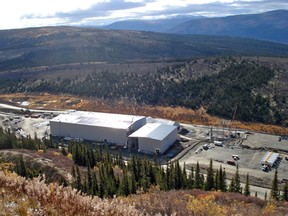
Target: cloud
19,13
103,9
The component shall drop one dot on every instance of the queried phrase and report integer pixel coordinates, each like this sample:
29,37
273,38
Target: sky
36,13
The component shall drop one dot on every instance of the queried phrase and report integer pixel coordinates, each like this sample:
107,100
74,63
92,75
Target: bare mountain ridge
25,48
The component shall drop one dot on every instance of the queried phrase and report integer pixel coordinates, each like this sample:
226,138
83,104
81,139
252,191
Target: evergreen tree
184,177
63,151
285,192
232,185
223,186
78,179
95,190
73,172
178,176
124,185
163,179
237,181
256,195
85,188
21,167
197,181
190,183
209,184
265,196
247,186
144,182
217,180
132,185
89,180
202,181
274,194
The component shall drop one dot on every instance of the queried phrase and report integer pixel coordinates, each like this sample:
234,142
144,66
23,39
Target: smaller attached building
154,137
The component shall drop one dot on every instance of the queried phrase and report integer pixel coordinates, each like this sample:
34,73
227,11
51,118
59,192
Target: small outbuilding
154,137
270,159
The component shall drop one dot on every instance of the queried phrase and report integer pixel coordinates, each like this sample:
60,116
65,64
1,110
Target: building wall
138,124
151,145
94,133
169,140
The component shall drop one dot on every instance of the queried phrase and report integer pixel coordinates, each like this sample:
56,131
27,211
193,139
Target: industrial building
270,159
154,137
96,126
162,121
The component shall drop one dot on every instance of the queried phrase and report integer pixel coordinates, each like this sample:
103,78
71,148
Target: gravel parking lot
255,147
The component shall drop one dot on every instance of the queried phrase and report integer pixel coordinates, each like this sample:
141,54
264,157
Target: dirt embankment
180,114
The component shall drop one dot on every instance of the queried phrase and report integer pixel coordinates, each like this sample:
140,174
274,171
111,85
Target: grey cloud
103,10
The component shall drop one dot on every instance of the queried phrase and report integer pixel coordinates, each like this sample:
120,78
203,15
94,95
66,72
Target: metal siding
169,140
88,132
139,123
149,145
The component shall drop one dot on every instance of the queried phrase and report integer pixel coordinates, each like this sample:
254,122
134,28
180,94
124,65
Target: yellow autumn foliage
205,206
270,209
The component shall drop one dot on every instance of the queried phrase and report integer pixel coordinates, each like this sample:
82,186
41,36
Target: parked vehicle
231,162
235,157
265,168
206,147
198,150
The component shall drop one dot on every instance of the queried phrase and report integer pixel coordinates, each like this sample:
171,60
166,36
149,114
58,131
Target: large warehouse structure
96,126
154,137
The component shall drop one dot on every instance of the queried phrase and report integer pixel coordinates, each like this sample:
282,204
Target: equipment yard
249,149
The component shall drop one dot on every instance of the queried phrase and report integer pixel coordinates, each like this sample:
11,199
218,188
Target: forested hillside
233,86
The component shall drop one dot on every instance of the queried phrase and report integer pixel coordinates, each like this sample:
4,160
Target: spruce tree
124,185
132,184
178,176
232,185
21,167
285,192
95,190
184,177
217,183
237,188
223,182
209,184
190,183
247,186
256,195
197,181
78,179
274,194
89,178
265,196
73,172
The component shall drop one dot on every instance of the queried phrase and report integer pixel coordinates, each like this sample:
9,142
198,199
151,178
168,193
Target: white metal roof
110,120
163,121
155,131
270,158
